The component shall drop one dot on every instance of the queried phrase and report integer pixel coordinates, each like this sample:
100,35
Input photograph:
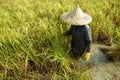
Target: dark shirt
81,38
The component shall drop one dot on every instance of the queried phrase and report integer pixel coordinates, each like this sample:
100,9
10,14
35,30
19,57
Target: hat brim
76,20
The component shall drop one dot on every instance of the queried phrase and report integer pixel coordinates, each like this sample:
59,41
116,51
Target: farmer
80,31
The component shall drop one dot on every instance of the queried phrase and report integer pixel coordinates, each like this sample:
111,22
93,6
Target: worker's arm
88,38
69,32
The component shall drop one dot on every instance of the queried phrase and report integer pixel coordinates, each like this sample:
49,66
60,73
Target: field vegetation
32,45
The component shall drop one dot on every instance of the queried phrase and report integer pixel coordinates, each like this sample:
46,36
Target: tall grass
31,42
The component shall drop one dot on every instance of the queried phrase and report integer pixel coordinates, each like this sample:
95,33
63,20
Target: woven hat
76,17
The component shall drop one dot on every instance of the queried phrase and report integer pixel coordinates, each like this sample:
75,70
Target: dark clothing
81,39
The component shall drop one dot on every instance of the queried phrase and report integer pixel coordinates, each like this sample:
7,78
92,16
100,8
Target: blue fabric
81,39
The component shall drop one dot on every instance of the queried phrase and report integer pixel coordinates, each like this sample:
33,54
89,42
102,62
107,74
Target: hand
64,34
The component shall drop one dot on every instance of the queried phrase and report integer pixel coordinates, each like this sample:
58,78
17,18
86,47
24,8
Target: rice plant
31,42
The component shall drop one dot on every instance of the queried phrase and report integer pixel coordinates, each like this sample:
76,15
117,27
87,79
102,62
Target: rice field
32,45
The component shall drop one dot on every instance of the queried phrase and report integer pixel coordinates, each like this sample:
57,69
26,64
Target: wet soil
102,68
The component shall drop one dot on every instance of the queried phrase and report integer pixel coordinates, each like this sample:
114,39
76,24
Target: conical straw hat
76,17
